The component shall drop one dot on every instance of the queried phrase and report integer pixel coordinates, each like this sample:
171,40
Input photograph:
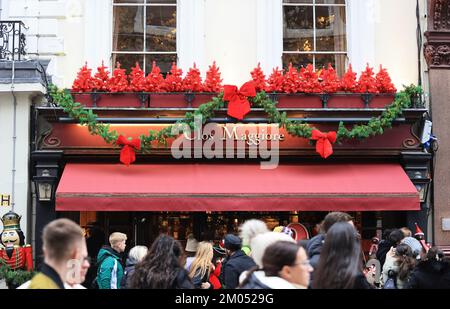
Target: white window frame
360,31
190,33
315,52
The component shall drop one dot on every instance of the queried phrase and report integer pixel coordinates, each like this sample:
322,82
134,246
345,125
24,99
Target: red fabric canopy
235,187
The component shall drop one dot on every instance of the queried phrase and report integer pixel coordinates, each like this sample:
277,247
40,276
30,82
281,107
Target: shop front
381,181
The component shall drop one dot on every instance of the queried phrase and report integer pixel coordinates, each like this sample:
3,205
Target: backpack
391,282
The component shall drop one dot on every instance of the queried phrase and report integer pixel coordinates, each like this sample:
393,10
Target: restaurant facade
256,168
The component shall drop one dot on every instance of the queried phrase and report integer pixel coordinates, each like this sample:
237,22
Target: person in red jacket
219,255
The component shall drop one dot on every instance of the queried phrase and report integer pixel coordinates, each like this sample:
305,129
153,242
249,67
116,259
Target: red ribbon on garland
127,154
238,105
324,141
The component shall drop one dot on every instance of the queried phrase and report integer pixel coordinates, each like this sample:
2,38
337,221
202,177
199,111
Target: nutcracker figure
14,252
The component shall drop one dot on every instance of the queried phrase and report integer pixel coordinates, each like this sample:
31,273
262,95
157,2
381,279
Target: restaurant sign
214,140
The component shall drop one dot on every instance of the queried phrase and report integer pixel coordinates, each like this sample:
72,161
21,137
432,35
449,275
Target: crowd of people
256,259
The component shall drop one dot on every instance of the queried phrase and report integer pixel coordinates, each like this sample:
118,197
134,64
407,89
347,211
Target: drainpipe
14,137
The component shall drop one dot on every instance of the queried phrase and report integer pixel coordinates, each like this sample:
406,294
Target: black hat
232,242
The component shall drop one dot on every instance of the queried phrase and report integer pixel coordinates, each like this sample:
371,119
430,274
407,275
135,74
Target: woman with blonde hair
202,266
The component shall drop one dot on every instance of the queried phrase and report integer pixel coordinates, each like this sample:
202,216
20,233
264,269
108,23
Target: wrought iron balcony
12,40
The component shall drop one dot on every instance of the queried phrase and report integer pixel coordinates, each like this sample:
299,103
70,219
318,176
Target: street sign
5,200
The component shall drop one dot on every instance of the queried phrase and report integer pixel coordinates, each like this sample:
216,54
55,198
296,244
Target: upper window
144,31
314,32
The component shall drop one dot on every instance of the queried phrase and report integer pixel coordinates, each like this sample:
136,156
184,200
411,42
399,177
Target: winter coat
258,280
391,264
383,248
430,274
313,248
235,265
110,270
182,280
197,280
128,273
214,277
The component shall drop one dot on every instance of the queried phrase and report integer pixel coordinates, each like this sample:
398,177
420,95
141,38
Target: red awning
235,187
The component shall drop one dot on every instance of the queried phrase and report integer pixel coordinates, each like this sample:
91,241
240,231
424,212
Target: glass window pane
161,28
128,28
298,28
163,61
127,61
330,25
330,1
297,60
129,1
337,61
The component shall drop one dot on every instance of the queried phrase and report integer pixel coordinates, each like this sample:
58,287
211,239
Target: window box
345,100
111,99
381,100
180,99
297,100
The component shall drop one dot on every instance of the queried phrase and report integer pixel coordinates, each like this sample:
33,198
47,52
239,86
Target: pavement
3,284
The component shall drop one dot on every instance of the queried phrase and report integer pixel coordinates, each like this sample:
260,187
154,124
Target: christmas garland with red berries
246,94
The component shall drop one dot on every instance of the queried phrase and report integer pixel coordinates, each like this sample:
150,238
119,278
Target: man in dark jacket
394,238
236,262
314,246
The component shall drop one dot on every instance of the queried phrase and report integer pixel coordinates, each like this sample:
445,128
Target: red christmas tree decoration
291,80
101,78
174,81
84,81
155,80
259,78
193,80
348,81
367,82
309,80
118,82
384,82
330,80
137,79
213,82
275,81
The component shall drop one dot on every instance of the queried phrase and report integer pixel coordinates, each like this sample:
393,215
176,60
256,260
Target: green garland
14,277
375,126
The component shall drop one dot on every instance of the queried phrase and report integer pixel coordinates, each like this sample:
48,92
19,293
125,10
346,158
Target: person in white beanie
259,244
415,246
248,230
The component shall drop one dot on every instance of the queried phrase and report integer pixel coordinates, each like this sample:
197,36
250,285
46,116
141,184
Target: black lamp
422,186
45,182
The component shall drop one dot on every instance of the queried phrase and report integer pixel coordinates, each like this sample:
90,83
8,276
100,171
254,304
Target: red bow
323,144
127,154
238,105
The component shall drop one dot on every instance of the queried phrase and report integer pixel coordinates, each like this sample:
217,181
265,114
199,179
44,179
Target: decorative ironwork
12,40
410,143
51,141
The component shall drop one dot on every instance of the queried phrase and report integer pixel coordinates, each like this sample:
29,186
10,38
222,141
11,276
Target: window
144,31
314,32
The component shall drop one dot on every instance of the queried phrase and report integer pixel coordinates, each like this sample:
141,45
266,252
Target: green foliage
14,277
375,126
